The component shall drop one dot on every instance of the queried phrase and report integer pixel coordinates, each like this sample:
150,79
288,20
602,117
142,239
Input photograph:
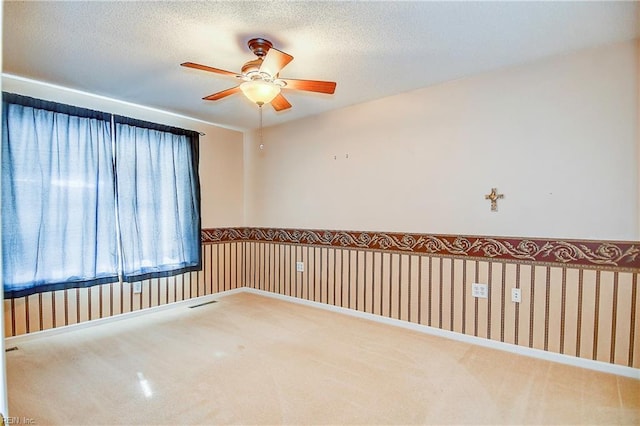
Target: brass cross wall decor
494,197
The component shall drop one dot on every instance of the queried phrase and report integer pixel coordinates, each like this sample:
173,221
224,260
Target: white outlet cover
480,290
300,266
137,287
516,296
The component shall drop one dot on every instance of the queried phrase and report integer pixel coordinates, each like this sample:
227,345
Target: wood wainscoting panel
621,325
588,326
445,291
220,271
524,282
469,276
605,303
554,308
495,303
510,309
482,324
569,305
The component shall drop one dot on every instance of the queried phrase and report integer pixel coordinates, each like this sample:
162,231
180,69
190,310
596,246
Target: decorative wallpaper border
608,254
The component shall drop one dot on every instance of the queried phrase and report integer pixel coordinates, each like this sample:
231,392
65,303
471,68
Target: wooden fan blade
311,85
280,102
207,68
275,61
222,94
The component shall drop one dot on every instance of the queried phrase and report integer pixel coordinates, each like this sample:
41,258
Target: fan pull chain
261,144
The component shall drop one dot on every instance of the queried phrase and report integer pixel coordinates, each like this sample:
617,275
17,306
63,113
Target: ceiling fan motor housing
259,46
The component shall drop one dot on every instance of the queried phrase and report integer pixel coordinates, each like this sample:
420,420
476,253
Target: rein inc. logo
16,420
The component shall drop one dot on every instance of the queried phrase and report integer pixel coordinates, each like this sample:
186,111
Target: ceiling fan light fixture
261,77
260,92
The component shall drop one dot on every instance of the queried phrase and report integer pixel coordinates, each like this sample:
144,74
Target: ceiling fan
261,81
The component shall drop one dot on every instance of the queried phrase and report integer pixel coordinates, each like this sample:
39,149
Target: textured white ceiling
131,51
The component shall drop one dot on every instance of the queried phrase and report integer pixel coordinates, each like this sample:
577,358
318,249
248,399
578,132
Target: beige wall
558,137
638,127
221,159
221,178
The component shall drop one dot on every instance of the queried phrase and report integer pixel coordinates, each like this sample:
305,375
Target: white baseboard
605,367
16,340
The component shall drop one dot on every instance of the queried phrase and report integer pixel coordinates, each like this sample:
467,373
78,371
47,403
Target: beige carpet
250,359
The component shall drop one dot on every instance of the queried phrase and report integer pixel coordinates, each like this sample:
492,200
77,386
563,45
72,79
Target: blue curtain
58,221
76,212
158,199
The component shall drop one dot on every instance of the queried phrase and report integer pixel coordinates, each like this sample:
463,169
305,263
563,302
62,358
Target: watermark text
16,420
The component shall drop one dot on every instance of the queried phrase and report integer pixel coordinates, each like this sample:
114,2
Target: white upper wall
221,178
558,137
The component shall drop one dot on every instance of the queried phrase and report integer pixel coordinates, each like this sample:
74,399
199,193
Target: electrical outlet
480,290
515,295
300,266
137,287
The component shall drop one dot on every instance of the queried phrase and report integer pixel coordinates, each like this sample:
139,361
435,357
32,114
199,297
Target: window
87,197
158,199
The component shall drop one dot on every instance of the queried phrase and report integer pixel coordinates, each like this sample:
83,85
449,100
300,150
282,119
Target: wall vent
203,304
